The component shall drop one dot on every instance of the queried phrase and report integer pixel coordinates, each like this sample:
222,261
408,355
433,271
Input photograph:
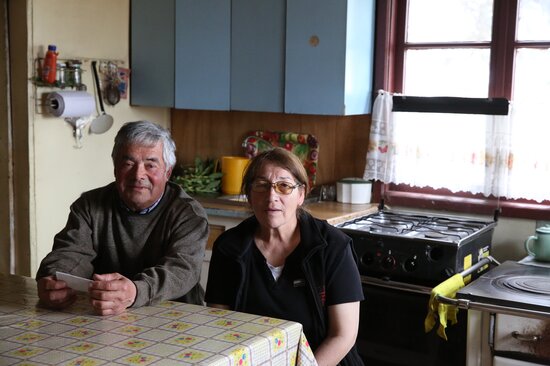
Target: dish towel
442,312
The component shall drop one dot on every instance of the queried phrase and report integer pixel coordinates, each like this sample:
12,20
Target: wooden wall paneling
342,140
351,139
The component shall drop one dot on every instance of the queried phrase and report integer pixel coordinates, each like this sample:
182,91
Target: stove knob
367,259
434,253
410,264
388,262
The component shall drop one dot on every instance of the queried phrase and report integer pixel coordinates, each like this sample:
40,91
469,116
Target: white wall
509,238
86,30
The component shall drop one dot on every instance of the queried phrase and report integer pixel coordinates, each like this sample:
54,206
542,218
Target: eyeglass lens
280,187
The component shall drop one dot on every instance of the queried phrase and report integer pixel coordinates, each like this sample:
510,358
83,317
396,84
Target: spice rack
69,76
70,81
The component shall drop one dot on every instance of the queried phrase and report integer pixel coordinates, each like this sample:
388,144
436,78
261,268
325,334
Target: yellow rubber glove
443,312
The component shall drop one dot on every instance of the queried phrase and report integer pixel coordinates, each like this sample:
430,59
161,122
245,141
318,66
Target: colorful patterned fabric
305,146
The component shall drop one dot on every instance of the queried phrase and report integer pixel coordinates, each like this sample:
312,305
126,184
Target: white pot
353,190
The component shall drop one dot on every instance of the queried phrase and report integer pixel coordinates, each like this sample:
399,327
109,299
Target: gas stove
417,248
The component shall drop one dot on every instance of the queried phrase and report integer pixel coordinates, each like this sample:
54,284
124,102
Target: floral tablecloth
170,333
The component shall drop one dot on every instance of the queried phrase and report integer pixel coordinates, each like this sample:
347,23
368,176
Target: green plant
202,177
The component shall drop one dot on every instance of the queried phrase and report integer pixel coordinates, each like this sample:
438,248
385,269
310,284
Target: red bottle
49,65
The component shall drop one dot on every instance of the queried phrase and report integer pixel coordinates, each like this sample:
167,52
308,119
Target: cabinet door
258,55
202,54
329,56
152,53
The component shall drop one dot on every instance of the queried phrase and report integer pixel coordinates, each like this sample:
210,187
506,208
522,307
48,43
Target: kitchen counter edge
332,211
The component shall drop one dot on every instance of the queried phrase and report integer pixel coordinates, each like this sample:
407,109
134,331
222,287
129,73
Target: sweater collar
145,210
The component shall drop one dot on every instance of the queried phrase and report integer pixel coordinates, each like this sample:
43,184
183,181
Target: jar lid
74,63
543,230
354,180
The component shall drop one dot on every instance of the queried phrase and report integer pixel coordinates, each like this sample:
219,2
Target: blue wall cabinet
152,53
298,56
258,55
180,53
203,36
329,56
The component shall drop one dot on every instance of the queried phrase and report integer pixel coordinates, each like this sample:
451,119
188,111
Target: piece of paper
74,282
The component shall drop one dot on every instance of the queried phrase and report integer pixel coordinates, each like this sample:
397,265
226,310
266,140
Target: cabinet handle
526,337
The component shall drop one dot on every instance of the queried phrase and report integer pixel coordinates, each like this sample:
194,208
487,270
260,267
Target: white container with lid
353,190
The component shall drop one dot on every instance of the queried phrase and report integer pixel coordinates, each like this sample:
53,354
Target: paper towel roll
70,104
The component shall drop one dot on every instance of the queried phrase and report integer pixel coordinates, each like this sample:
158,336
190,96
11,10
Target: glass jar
75,72
61,71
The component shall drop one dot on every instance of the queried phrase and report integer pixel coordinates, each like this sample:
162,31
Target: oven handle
461,303
408,287
526,337
394,285
491,308
474,305
482,262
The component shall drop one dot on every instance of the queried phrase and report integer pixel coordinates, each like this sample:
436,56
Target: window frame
389,61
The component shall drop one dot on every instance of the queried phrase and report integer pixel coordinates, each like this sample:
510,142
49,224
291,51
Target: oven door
504,361
391,328
521,339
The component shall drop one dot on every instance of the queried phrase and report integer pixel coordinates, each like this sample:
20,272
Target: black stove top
518,286
417,248
418,226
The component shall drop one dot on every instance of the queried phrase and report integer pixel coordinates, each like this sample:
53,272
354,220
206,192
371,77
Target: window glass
449,20
533,20
532,82
447,72
448,49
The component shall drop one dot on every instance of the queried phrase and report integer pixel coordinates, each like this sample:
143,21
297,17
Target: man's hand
111,293
55,294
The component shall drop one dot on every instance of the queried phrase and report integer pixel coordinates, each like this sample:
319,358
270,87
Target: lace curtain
473,153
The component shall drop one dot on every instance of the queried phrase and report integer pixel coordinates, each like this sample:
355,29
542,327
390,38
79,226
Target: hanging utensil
112,93
103,122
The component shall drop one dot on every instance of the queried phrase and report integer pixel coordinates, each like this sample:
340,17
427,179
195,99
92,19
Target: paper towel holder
78,119
78,124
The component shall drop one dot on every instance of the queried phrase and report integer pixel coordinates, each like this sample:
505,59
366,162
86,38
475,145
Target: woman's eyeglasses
281,187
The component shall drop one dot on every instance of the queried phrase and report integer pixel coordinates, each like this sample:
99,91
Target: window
481,49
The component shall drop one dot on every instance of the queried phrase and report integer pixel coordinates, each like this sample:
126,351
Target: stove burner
382,229
435,235
532,284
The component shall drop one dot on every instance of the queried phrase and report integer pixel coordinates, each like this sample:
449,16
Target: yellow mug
233,168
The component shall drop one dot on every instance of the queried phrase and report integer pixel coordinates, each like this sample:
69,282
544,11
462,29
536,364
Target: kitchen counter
336,212
332,211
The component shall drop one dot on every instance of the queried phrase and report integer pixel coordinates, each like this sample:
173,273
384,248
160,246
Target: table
169,333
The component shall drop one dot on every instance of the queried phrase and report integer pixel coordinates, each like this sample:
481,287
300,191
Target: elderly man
141,239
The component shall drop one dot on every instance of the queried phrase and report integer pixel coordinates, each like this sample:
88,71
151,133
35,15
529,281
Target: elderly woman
283,263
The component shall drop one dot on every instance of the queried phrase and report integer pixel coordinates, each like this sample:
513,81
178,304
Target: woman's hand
343,325
111,293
